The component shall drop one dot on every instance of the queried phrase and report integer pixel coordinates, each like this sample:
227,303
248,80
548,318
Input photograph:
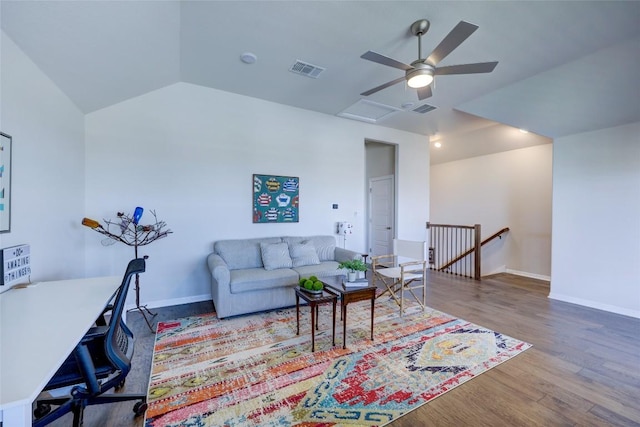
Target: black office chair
99,363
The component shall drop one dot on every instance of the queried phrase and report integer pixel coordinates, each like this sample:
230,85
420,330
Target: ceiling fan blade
459,34
385,60
424,92
383,86
480,67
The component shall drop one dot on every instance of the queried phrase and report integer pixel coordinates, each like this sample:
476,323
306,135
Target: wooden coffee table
314,300
348,295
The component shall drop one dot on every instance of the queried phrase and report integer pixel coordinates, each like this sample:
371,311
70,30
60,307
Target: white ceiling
564,67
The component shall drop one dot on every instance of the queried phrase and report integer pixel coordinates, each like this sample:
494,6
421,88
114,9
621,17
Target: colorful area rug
254,370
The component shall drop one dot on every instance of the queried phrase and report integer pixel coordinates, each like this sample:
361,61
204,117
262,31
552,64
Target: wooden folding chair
404,270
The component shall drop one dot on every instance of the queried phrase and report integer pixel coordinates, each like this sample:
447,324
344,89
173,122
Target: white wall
189,152
380,160
509,189
596,219
47,200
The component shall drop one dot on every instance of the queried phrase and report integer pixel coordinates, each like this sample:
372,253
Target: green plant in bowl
311,284
353,265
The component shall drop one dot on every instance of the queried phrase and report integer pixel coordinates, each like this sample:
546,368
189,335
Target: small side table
314,300
348,295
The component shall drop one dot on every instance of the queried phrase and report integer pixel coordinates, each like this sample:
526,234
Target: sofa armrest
346,254
220,276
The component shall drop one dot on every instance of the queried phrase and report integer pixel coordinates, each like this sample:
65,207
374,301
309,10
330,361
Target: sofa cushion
325,245
303,253
324,269
275,255
252,279
242,253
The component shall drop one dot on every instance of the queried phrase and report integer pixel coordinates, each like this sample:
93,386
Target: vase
351,276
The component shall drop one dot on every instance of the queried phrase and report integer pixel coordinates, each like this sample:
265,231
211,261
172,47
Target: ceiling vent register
306,69
424,108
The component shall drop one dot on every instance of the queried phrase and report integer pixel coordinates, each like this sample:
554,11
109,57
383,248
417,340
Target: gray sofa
251,275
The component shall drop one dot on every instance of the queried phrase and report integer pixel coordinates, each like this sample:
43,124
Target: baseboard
530,275
596,305
501,269
174,301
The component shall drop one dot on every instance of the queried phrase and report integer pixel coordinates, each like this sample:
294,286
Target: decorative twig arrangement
127,230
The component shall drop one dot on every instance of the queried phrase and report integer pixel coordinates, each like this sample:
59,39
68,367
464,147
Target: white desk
39,327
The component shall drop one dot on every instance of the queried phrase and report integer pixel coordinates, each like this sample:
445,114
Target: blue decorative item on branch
137,214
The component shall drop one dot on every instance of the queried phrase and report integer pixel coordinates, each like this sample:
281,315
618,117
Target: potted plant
353,265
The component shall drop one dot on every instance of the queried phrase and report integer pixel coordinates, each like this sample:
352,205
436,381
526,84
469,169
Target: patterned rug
254,371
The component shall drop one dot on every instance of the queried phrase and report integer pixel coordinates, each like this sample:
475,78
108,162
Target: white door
382,219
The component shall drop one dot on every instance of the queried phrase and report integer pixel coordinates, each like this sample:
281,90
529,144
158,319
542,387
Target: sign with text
16,266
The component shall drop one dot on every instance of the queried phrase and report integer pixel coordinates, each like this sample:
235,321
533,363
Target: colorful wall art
275,198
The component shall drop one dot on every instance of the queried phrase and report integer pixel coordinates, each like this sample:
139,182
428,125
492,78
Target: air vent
424,108
306,69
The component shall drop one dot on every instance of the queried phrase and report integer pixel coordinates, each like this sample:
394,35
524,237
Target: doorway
381,195
382,215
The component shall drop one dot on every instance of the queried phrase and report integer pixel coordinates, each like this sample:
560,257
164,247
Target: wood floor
583,369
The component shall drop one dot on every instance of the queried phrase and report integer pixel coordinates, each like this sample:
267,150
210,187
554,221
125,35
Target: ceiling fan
421,72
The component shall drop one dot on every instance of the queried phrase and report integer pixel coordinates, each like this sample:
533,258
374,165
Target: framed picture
275,198
5,182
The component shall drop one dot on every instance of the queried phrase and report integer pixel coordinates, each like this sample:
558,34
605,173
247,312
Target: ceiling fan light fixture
419,77
420,80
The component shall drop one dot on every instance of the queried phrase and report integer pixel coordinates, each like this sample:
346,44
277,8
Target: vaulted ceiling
564,67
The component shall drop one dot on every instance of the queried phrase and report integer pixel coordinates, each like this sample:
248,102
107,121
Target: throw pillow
326,253
275,255
303,253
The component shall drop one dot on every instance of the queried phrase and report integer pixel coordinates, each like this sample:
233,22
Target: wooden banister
470,251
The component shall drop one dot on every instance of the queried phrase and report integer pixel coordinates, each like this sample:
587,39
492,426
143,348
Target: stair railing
456,249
